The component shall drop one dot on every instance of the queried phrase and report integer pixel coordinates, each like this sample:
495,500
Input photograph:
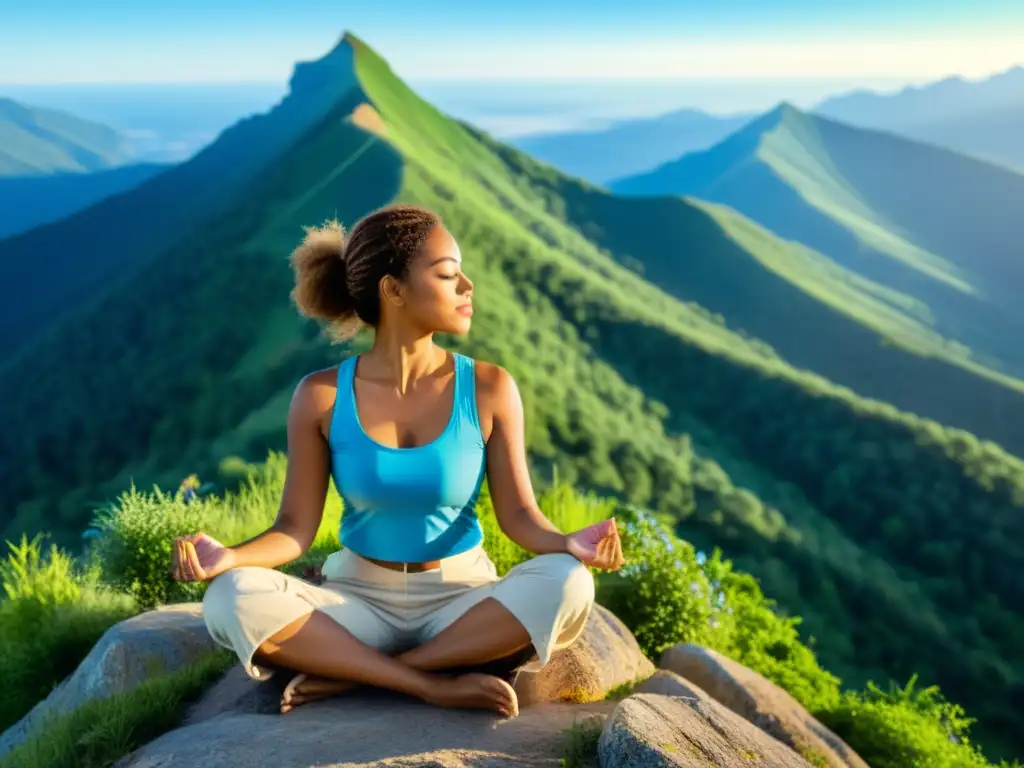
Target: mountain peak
328,78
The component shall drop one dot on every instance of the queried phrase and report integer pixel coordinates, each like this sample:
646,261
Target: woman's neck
401,359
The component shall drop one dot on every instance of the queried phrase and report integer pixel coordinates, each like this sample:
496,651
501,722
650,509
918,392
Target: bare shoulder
497,397
493,383
314,395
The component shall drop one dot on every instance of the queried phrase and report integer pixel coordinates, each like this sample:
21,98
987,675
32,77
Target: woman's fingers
175,571
193,559
604,551
618,560
181,560
186,562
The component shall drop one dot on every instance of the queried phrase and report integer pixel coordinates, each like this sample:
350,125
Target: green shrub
669,594
134,534
905,727
662,594
52,616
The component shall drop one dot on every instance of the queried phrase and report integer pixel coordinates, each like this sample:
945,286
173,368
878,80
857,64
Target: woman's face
436,295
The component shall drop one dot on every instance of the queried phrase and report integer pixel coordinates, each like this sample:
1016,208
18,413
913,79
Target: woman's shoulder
492,380
316,391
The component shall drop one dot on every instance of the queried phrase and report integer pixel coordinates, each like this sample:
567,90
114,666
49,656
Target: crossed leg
331,640
487,632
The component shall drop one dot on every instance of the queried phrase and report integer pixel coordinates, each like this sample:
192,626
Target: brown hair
337,277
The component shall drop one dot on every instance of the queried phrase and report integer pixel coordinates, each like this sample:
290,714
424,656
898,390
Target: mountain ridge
894,211
179,199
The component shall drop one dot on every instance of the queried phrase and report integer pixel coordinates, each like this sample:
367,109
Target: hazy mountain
941,229
984,118
629,146
879,527
36,141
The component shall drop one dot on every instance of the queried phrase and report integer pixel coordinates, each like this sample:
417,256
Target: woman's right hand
200,558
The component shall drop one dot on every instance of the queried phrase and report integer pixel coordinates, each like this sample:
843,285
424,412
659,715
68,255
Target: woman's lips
465,309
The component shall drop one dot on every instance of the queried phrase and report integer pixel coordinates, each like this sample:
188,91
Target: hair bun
321,283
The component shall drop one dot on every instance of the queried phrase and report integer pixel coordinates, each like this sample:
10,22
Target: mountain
938,228
31,201
629,146
981,118
900,541
94,250
35,141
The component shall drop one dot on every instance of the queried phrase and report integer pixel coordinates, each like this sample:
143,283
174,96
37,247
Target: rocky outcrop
759,701
649,730
156,642
707,711
372,728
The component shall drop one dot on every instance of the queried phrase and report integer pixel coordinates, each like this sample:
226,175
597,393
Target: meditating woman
408,431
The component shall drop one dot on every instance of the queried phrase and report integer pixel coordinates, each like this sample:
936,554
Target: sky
70,41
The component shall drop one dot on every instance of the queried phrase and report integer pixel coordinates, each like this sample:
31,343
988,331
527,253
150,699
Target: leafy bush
905,727
52,616
134,535
668,594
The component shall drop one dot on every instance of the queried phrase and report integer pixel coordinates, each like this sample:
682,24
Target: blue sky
47,41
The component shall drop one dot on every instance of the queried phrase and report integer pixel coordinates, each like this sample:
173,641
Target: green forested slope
881,529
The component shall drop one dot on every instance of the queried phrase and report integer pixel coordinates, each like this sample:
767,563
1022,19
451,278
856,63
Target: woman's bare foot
304,689
475,691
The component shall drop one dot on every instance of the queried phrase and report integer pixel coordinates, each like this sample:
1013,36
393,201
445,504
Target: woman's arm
305,487
508,475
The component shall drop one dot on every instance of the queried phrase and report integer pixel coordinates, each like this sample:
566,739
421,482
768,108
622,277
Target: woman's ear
391,291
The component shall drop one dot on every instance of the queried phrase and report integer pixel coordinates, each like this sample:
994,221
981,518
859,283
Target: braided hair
337,277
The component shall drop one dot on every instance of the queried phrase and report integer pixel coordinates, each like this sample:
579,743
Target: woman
408,431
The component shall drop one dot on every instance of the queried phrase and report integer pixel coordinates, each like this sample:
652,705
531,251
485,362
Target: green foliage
102,731
905,726
134,534
54,612
667,594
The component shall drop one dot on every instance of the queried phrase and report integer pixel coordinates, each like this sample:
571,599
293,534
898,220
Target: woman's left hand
597,545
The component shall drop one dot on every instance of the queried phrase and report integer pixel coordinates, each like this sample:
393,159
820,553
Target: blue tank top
408,504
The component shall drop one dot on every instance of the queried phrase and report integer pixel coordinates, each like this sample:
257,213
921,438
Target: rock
759,701
665,683
366,728
156,642
649,730
605,656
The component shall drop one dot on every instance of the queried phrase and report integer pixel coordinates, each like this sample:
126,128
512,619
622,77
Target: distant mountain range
629,146
53,164
788,406
39,142
940,230
984,118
